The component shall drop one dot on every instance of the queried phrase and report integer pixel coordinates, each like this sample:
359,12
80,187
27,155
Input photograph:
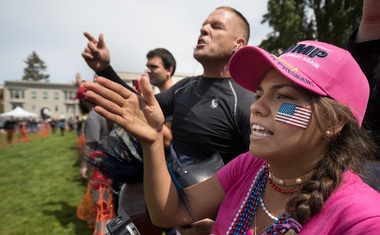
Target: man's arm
144,120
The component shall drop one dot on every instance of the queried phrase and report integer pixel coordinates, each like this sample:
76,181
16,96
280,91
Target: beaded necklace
289,182
289,191
247,211
282,223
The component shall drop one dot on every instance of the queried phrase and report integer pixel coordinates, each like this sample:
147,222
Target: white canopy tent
18,112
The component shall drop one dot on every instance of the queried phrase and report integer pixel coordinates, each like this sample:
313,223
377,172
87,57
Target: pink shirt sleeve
234,170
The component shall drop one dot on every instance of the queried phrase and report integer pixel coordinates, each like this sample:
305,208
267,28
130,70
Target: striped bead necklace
247,211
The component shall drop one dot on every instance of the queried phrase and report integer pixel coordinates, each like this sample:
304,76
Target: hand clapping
141,117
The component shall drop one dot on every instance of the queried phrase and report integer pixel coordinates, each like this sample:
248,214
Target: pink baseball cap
80,93
319,67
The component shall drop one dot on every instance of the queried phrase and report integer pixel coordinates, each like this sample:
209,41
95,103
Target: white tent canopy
18,112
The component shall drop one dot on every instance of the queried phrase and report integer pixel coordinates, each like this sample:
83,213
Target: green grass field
40,186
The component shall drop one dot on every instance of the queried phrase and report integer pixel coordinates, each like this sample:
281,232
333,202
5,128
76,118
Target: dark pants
10,135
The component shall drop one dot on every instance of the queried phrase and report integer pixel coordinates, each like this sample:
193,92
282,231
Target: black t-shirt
209,115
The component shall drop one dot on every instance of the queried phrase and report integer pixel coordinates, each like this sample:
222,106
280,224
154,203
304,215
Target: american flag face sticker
294,115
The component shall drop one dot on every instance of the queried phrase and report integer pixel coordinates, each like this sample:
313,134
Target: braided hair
349,145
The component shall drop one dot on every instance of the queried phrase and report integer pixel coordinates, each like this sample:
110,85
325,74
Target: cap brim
249,65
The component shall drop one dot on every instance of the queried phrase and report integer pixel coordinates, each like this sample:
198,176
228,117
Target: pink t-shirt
354,208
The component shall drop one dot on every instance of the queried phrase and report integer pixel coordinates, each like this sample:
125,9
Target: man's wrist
105,71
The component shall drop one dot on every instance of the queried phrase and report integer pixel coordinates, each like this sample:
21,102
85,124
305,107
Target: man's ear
170,71
240,42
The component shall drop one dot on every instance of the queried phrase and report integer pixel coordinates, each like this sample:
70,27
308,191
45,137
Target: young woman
306,147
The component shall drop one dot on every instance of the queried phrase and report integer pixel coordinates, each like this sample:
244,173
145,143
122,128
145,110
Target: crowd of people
20,127
222,127
257,144
128,192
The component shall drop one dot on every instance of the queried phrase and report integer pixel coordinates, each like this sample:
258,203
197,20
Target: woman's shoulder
353,208
354,192
248,160
243,164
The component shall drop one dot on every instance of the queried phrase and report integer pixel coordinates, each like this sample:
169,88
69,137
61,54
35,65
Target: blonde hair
245,24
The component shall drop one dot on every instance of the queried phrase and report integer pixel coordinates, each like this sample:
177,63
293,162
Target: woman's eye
257,97
282,96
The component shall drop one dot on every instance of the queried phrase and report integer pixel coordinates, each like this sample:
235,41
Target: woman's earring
328,133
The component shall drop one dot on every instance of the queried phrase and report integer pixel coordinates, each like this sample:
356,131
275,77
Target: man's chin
199,55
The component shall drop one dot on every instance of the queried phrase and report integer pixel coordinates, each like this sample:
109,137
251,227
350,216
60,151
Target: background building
58,97
33,96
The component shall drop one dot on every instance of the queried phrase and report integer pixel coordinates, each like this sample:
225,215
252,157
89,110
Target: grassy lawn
40,187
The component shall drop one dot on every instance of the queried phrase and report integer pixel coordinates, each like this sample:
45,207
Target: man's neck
167,85
216,71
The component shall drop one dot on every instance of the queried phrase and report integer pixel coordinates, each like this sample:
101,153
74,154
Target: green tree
34,69
329,21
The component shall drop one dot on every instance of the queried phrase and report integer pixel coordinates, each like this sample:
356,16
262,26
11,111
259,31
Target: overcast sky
54,30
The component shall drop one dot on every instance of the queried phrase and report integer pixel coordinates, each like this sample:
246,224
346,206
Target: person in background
161,66
364,45
70,123
79,125
305,133
96,131
32,123
23,127
210,112
61,124
53,125
10,127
